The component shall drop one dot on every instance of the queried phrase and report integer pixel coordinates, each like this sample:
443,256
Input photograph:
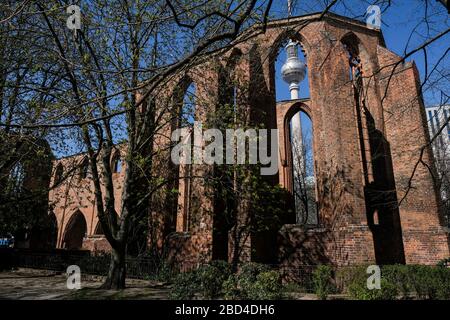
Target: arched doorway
75,232
180,203
226,178
290,80
299,172
303,171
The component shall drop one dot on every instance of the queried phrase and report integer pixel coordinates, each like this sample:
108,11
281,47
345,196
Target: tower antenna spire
289,4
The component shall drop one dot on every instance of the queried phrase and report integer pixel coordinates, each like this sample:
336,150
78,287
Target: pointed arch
277,49
98,227
185,88
59,171
224,204
116,162
75,231
358,56
84,168
353,41
301,171
183,115
283,37
16,177
228,86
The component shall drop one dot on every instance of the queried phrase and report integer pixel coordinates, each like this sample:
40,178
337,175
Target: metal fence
138,267
301,275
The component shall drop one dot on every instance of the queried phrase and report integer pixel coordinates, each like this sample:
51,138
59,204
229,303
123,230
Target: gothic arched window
303,171
17,177
116,163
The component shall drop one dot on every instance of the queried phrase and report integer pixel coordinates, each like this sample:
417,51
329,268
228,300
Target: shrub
348,275
444,284
164,273
208,281
230,288
254,282
294,287
185,286
322,277
427,282
247,277
212,277
353,280
430,282
359,291
267,286
251,270
399,275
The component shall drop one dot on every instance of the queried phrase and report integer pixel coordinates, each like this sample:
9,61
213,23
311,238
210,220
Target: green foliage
293,287
207,281
348,275
430,282
322,278
230,288
353,280
399,276
253,282
249,271
164,273
212,277
443,288
186,285
420,281
359,291
257,282
26,166
267,286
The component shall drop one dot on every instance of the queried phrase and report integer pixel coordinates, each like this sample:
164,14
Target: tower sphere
293,71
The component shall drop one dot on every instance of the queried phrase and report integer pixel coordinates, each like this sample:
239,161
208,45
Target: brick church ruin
368,131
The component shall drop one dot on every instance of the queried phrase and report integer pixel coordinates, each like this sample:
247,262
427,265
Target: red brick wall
425,239
345,235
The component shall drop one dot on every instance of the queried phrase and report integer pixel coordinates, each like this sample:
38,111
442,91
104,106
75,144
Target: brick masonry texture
386,126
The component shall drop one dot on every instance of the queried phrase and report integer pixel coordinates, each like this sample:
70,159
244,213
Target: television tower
293,72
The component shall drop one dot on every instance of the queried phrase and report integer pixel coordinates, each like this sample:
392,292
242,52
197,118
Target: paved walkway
29,284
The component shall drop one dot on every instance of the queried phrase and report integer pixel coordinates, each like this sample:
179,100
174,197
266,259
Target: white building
439,129
438,117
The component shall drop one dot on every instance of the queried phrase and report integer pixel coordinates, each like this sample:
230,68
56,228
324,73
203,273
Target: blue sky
398,23
403,29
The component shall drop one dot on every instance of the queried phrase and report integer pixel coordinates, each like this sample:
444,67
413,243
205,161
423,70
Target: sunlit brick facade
369,127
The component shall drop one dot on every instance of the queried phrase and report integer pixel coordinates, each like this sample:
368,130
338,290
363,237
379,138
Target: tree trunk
117,270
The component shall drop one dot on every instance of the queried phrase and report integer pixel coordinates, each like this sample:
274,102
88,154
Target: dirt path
29,284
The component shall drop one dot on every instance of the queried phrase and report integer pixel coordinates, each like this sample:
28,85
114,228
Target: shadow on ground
29,284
